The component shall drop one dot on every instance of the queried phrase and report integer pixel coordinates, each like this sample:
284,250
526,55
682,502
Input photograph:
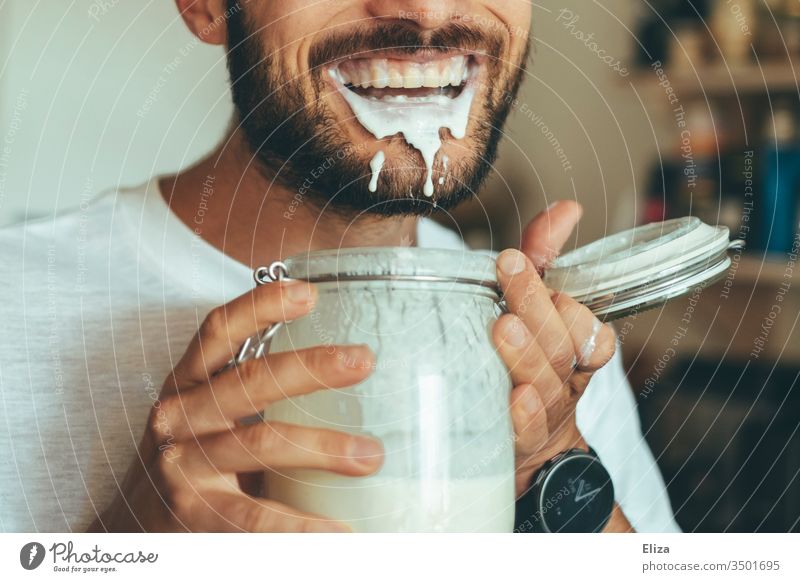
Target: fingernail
299,293
356,357
540,260
529,402
553,205
517,333
546,259
511,262
366,451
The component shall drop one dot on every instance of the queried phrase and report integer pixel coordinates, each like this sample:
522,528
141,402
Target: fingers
250,387
262,446
524,357
529,415
527,297
226,328
594,343
529,365
547,233
231,512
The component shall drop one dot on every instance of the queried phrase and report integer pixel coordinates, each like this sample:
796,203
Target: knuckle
261,438
525,295
317,359
562,359
253,518
154,422
254,372
167,472
163,416
214,323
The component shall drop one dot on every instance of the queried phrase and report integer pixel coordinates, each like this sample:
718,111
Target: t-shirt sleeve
609,421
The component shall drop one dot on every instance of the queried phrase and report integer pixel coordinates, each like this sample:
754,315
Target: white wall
93,97
590,109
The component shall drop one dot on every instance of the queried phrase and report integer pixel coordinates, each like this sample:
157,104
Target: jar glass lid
643,267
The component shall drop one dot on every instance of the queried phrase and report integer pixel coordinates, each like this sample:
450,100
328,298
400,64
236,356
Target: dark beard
297,141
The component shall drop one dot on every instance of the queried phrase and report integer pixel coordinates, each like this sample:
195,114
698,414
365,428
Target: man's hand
194,456
551,344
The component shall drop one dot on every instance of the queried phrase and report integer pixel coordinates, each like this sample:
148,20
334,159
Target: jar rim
392,263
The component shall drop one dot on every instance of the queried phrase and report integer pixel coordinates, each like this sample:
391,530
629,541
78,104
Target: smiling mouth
410,97
390,79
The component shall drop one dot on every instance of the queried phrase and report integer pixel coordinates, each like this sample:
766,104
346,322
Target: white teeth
412,77
397,74
395,78
378,74
430,78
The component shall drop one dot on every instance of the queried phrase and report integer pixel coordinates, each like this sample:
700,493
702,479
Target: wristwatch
571,493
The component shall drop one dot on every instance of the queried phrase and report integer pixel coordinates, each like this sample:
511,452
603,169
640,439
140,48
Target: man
101,304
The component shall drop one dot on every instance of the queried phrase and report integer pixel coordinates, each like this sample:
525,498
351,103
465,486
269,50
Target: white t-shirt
96,307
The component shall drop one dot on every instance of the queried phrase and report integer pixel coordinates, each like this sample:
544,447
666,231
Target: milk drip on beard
418,119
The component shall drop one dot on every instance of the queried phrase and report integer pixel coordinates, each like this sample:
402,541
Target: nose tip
426,14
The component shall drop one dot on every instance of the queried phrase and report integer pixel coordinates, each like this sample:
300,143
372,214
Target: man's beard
297,142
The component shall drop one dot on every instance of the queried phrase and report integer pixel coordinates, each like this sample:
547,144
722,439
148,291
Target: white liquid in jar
381,504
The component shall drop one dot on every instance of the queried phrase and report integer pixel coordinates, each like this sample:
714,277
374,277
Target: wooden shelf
721,80
723,324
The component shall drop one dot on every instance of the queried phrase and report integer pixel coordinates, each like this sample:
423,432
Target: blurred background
640,110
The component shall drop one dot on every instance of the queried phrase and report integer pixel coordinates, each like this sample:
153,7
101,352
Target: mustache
405,39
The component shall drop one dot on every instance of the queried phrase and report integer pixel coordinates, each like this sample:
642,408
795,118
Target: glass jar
438,397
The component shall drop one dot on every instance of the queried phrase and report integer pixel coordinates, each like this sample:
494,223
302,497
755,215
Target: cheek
516,17
285,29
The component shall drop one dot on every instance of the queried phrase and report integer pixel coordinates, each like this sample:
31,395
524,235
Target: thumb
549,230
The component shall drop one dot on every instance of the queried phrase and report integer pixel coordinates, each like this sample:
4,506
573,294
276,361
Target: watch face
576,496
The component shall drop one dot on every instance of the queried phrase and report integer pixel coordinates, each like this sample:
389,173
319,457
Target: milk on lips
419,118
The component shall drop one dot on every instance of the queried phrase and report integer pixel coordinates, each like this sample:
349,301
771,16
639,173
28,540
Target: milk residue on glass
590,344
418,119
